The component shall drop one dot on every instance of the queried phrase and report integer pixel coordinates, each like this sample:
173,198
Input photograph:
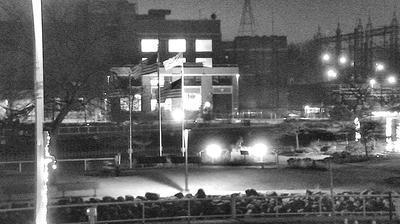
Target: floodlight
214,151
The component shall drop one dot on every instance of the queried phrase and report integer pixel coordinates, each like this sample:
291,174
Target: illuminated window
203,45
167,104
207,62
136,103
149,45
192,99
177,45
153,103
154,81
182,60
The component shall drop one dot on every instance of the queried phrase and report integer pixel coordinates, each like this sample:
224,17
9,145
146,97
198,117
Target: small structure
211,90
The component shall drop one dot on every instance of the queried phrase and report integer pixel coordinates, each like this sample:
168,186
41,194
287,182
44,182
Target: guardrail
142,210
85,162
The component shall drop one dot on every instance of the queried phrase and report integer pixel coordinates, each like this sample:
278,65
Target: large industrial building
261,62
253,64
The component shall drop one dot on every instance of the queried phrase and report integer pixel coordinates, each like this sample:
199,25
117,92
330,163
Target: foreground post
41,180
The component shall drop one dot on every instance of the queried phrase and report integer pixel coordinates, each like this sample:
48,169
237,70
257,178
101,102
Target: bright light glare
259,150
326,57
384,113
391,79
207,104
203,45
331,73
177,115
177,45
214,151
343,60
149,45
379,67
372,83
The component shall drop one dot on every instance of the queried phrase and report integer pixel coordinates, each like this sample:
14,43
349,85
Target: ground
224,180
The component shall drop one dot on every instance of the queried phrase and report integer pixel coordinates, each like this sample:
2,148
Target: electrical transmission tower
247,22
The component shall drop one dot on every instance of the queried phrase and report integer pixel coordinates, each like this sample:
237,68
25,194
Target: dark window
193,81
222,80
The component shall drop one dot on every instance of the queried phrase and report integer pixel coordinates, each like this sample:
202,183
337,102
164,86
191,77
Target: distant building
213,91
261,61
208,83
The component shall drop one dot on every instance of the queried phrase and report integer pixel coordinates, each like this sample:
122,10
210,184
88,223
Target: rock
251,192
141,198
108,199
189,196
179,195
200,194
273,194
152,196
235,195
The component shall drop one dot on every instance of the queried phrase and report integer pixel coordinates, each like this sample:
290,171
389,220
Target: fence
124,210
19,164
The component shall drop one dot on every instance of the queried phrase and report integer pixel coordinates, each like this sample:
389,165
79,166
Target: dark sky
297,19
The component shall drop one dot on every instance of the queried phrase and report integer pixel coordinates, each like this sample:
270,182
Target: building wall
207,89
261,62
154,25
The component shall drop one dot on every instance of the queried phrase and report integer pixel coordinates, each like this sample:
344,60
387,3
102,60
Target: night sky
296,19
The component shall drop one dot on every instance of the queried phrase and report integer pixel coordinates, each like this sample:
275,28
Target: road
226,180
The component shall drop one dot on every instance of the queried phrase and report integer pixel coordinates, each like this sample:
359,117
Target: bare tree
77,54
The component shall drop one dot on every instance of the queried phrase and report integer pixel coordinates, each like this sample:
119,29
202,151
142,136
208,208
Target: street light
343,60
214,151
391,79
372,83
326,57
379,66
331,73
177,115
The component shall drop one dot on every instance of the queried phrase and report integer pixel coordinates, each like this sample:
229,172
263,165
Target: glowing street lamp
379,67
213,151
177,115
331,73
259,150
372,83
343,60
207,104
391,79
326,57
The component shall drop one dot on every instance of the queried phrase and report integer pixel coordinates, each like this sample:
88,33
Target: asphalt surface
216,180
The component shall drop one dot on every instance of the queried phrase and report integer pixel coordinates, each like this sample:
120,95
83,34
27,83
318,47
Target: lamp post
237,95
130,150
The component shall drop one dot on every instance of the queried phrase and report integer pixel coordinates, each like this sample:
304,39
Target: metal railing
84,160
214,208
